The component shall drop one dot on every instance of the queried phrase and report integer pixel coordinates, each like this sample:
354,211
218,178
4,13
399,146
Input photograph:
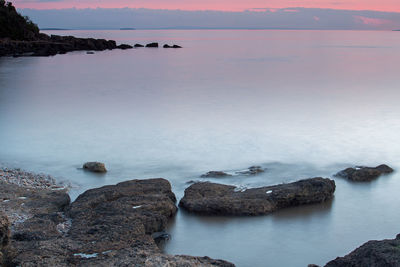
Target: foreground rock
4,235
218,199
95,167
362,174
107,226
372,254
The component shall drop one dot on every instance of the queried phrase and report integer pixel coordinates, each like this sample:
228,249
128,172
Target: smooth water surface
299,103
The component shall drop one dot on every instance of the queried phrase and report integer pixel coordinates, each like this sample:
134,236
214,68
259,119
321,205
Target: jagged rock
362,174
218,199
95,167
371,254
215,174
154,45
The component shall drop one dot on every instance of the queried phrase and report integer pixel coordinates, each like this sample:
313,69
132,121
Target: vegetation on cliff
15,26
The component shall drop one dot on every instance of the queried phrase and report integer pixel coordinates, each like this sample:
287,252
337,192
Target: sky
222,5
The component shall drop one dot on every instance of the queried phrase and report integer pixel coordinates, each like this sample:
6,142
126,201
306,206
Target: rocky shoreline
107,226
120,225
46,45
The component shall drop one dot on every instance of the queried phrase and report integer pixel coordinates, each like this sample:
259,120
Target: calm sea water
300,103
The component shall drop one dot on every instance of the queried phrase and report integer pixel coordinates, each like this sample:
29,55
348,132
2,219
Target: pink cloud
372,21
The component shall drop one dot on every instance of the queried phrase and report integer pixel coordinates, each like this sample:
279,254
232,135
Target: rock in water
107,226
154,45
362,174
215,174
138,45
218,199
253,170
124,46
371,254
95,167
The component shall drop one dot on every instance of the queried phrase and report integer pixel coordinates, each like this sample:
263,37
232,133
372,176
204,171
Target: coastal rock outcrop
362,174
219,199
138,45
371,254
95,167
107,226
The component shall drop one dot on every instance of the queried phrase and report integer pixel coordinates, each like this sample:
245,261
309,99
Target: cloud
140,18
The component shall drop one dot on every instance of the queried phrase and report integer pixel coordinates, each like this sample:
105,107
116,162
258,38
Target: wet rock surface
215,174
371,254
363,174
45,45
107,226
219,199
95,167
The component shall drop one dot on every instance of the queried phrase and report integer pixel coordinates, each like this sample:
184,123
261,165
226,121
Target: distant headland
19,36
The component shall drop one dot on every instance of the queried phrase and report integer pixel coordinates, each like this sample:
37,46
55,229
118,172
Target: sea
298,103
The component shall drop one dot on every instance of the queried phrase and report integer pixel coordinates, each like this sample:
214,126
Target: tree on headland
15,26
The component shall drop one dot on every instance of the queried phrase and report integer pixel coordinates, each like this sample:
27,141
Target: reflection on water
299,103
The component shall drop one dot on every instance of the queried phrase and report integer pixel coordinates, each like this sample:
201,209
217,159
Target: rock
4,235
95,167
161,236
154,45
215,174
171,46
90,53
218,199
44,45
371,254
362,174
313,265
108,226
124,46
253,170
138,45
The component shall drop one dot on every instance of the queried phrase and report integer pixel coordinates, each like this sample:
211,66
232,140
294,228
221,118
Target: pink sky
226,5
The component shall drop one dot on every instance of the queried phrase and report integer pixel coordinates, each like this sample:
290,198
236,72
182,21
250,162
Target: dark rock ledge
107,226
364,174
219,199
371,254
45,45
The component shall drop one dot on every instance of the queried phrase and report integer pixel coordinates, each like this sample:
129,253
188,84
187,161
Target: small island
19,36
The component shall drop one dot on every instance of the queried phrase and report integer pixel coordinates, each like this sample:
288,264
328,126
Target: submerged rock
218,199
95,167
371,254
154,45
215,174
253,170
362,174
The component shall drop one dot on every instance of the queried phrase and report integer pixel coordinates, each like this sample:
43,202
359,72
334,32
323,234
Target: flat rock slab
364,174
219,199
372,254
107,226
